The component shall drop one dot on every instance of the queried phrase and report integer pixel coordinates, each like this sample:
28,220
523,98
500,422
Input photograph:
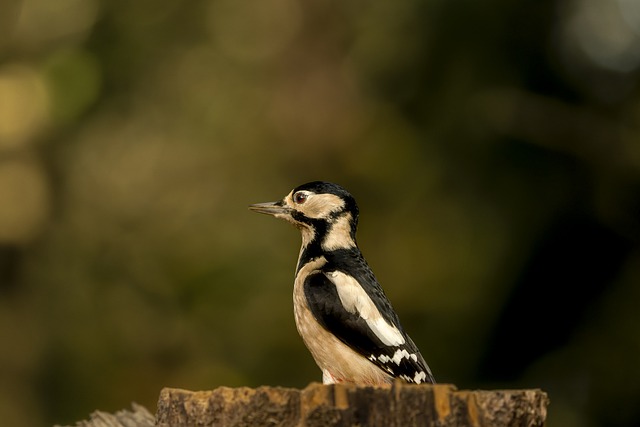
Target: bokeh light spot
73,79
23,105
604,31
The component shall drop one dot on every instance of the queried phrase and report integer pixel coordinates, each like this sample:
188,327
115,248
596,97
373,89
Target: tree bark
399,405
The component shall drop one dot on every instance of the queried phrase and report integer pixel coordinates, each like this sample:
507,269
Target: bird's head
323,211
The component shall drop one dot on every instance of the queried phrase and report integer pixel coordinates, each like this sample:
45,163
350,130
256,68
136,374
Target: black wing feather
324,302
350,328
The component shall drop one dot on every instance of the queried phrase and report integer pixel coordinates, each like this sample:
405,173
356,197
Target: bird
341,311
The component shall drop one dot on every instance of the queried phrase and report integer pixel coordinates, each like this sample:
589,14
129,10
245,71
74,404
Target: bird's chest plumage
332,356
315,337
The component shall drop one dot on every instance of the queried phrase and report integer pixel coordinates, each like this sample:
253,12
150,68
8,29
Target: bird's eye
299,198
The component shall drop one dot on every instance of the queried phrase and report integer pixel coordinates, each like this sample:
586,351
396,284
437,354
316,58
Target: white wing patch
355,300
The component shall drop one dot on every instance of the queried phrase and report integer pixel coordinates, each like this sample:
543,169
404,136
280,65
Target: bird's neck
324,237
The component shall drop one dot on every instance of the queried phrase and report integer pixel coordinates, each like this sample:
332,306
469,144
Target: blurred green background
494,149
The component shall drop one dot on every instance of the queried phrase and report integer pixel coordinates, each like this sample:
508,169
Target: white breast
338,361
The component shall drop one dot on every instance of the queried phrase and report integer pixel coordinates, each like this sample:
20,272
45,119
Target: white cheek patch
321,205
355,300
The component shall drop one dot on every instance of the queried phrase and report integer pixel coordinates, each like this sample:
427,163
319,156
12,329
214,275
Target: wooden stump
400,405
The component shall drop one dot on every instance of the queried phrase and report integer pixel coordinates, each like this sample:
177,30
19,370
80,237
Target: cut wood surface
400,405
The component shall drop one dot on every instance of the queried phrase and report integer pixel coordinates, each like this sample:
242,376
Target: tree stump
399,405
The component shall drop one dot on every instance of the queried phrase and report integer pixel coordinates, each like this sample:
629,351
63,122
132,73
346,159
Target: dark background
494,149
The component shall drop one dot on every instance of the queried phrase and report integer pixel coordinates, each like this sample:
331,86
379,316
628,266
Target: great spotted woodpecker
341,312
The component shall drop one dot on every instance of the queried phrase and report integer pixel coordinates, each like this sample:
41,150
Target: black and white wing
343,307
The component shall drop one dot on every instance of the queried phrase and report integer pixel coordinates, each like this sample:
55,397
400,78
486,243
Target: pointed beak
270,208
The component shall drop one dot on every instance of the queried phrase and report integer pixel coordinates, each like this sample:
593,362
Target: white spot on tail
399,355
420,377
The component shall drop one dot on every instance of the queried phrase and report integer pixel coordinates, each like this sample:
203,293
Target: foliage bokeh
494,148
